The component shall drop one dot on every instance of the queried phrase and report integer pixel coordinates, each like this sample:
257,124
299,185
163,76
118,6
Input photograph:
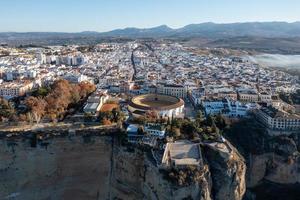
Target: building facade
279,120
179,91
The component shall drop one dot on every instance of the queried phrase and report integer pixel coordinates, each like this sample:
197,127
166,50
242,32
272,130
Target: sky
105,15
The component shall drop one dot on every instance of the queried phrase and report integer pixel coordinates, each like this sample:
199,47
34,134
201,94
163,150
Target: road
133,64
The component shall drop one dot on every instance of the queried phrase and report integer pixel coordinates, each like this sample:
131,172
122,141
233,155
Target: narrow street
133,64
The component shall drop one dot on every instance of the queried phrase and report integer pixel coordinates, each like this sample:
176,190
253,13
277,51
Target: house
214,106
265,97
132,129
15,89
155,130
226,107
135,138
248,96
179,91
92,108
196,95
94,103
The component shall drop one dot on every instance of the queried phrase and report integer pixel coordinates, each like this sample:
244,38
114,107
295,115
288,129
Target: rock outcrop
137,177
228,170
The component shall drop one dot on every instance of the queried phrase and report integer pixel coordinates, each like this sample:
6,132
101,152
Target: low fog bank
277,60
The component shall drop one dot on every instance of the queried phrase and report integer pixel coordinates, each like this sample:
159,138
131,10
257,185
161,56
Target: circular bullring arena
164,105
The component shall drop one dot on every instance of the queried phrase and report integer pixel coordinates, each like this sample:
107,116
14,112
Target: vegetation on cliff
52,102
209,128
184,177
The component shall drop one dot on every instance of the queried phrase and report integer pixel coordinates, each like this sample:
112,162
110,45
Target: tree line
50,103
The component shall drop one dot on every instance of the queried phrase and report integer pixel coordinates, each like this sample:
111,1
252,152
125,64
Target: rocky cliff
272,161
228,170
97,167
64,168
136,176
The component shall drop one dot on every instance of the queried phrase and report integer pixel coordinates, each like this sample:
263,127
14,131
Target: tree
64,96
37,107
210,120
199,118
86,88
7,110
177,123
41,92
106,122
75,96
168,121
140,120
176,132
29,117
215,129
88,117
188,128
53,101
115,114
22,117
220,121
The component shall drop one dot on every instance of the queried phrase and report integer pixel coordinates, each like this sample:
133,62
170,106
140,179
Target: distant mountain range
260,29
251,35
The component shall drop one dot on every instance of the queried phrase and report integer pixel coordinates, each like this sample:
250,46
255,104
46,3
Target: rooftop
91,106
108,107
275,113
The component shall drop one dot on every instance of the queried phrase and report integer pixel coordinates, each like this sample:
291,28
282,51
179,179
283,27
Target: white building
155,130
41,58
94,103
196,95
265,97
248,96
77,78
279,120
15,89
179,91
226,107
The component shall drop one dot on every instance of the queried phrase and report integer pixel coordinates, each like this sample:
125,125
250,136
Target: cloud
276,60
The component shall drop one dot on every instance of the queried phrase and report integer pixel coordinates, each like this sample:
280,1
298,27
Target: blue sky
105,15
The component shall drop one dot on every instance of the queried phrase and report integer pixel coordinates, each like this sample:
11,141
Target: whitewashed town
231,86
173,99
164,95
149,100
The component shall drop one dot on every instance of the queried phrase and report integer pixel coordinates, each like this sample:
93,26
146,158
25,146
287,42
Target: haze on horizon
103,15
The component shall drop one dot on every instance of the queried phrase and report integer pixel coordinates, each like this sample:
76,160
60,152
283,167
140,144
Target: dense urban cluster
230,86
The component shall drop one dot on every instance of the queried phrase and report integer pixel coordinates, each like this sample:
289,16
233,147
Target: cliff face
274,168
272,161
97,168
228,171
65,169
137,177
278,163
